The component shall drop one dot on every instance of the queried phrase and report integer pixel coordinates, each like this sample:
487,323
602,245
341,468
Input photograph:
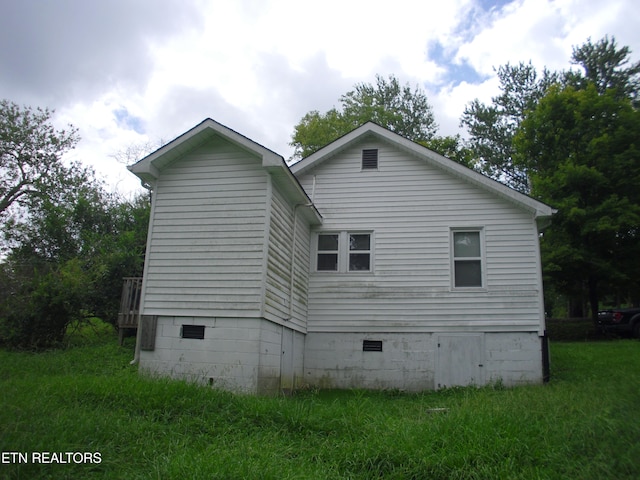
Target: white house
373,263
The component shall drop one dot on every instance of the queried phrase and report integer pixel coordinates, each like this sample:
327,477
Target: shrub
36,315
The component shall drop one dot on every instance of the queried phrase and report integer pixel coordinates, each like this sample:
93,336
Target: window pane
468,273
359,242
466,244
359,262
328,242
328,262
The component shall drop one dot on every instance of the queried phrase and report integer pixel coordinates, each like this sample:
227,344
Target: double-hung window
344,252
328,252
359,252
467,258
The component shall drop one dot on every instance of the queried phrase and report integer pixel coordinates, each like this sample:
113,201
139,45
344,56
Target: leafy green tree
397,108
605,66
454,148
30,156
118,252
68,242
315,130
91,236
583,149
492,127
41,304
387,103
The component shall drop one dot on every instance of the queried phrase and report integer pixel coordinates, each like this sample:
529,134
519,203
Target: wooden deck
129,305
129,315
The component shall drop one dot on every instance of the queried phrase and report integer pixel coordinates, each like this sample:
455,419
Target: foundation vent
372,345
193,331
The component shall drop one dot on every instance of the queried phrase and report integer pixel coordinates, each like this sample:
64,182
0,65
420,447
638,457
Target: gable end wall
411,208
206,246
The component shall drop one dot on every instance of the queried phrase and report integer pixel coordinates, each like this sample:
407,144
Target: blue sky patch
128,121
456,72
493,4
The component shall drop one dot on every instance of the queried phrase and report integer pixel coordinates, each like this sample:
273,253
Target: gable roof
540,210
149,168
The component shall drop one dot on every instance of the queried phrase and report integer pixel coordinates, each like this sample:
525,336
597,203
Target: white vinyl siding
413,207
206,250
278,296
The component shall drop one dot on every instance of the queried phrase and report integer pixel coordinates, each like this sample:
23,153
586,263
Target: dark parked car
621,320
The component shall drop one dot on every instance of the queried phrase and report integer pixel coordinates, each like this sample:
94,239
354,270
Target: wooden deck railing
129,305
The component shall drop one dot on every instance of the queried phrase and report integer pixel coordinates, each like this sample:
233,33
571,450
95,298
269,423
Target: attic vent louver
370,159
193,331
372,345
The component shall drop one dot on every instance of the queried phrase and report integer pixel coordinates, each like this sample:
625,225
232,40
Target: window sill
468,289
346,274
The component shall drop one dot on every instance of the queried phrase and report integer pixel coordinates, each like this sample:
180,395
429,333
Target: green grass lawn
584,424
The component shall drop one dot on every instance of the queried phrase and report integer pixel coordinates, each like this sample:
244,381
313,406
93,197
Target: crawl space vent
372,345
193,331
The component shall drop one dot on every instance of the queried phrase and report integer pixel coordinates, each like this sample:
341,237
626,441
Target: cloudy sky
128,72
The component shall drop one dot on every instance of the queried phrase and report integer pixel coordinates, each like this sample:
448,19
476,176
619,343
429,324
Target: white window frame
319,252
344,251
350,252
481,258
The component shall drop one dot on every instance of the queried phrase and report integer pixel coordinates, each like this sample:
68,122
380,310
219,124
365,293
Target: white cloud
451,100
135,72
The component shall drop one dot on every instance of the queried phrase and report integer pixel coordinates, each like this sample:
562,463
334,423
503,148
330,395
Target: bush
36,315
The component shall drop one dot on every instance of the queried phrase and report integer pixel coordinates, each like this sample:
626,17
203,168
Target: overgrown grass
584,424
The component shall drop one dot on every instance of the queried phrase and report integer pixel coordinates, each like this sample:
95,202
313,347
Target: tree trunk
576,307
593,297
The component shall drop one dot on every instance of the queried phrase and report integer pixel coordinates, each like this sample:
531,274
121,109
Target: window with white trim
359,252
344,252
328,252
467,258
